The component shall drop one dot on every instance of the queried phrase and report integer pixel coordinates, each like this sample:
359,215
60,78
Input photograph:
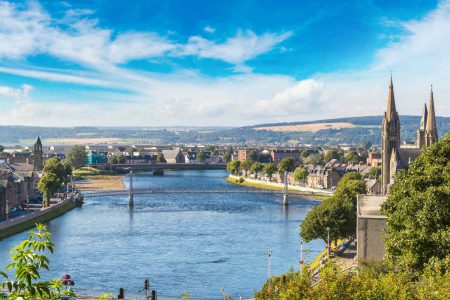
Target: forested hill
352,130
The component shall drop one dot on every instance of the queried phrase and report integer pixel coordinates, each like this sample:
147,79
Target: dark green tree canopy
287,164
332,154
270,169
418,211
77,156
160,158
233,166
252,155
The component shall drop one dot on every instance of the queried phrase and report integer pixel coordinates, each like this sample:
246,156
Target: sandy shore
101,183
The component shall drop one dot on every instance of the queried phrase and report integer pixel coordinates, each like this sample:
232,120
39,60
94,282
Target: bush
241,180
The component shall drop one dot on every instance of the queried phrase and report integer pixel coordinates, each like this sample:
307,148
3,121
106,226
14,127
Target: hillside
354,130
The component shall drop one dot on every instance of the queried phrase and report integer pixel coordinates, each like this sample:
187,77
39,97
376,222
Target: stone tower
420,141
431,135
390,137
38,155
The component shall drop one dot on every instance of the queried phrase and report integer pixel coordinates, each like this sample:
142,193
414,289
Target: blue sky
157,63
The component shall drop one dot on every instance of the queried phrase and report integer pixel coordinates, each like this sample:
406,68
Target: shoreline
100,183
249,182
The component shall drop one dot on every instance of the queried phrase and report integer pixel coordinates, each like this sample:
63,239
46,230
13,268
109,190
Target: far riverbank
258,184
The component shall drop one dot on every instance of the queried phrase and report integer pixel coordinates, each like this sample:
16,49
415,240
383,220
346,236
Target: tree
67,171
77,156
287,164
332,154
160,158
48,185
338,212
233,166
28,258
270,169
201,157
245,165
315,159
227,157
351,156
256,168
305,154
374,172
2,148
418,211
121,159
367,145
252,155
300,174
53,165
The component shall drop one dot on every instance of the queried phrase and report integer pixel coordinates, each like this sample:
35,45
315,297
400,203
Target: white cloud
209,29
236,50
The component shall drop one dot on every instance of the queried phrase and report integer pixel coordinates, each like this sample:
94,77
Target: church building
394,156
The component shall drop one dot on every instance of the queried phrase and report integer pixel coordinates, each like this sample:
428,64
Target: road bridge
160,167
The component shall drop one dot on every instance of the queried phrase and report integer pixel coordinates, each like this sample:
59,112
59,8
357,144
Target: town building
278,154
174,156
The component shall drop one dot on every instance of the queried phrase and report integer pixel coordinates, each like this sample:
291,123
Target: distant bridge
162,166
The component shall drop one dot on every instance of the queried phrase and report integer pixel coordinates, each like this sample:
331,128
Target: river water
199,243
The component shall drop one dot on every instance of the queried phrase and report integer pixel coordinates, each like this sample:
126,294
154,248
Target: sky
218,63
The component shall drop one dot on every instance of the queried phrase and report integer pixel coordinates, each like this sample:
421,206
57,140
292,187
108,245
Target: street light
269,254
301,259
328,245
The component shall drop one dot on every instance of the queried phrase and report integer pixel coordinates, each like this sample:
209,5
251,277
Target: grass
41,219
316,262
263,186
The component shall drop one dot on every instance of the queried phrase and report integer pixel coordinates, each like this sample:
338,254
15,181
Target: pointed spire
431,118
391,101
423,120
38,141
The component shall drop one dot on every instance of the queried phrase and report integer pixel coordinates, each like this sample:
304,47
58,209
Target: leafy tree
201,156
256,168
374,172
53,165
351,156
227,157
270,169
264,157
246,165
252,155
160,158
48,185
418,211
332,154
305,154
113,160
77,156
300,174
121,159
2,148
67,171
234,166
28,258
338,212
287,164
315,159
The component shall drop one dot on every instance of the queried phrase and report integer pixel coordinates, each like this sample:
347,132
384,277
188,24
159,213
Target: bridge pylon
131,191
286,190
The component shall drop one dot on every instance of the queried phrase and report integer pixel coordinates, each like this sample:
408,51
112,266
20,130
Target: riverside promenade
254,183
42,215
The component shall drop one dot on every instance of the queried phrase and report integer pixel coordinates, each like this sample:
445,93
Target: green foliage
270,169
246,165
67,169
333,154
160,158
287,164
418,211
252,155
121,159
48,185
53,165
338,212
300,174
304,154
227,157
370,282
256,168
241,180
374,172
351,156
186,295
201,156
367,145
28,259
233,166
315,159
77,156
2,148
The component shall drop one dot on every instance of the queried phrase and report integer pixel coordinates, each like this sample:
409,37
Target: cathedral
394,156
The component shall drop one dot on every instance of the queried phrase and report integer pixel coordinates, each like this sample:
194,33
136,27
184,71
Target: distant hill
353,130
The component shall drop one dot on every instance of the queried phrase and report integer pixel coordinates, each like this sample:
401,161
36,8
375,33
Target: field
307,127
83,141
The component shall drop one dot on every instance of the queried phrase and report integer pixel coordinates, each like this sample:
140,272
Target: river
182,242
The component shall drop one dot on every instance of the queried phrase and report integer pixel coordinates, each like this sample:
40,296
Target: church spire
431,129
423,120
391,110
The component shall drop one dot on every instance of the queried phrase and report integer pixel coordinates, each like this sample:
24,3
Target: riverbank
308,192
101,183
28,221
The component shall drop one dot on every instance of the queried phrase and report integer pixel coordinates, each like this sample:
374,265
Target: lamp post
269,254
301,259
328,245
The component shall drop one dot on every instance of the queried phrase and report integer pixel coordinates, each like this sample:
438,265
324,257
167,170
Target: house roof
171,154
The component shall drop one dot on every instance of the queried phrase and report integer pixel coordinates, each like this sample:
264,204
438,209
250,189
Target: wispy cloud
209,29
